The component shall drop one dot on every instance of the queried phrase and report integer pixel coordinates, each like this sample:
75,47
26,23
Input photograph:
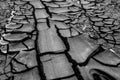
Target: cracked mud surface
59,39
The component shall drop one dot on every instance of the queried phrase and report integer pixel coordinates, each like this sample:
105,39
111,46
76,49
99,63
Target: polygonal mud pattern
59,39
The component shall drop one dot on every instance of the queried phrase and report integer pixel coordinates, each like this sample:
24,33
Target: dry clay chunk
27,57
48,40
15,36
79,49
41,13
37,4
56,66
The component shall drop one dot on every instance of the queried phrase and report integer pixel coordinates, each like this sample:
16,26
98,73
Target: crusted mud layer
59,39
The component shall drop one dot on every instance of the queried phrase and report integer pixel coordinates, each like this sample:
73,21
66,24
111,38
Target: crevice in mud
105,64
74,63
64,77
40,65
100,74
51,53
46,8
23,71
48,22
95,52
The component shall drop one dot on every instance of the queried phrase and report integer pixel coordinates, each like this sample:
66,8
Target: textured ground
59,39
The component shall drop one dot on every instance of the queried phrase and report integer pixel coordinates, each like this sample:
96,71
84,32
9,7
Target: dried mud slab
59,39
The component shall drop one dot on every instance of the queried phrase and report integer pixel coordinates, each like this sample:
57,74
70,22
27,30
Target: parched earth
59,39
